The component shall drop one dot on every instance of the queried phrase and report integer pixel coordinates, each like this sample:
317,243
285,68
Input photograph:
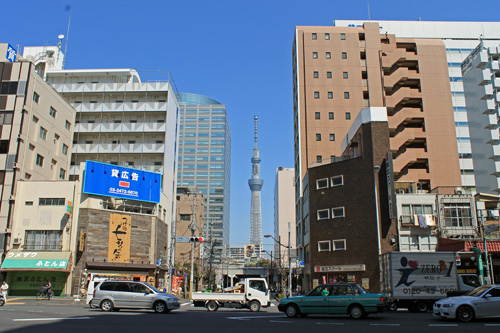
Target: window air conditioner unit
17,241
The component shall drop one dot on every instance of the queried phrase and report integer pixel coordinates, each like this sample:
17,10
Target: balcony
110,148
492,122
495,66
101,87
495,155
149,127
407,136
485,77
398,55
488,92
403,116
121,107
400,75
409,156
416,220
403,95
411,174
491,106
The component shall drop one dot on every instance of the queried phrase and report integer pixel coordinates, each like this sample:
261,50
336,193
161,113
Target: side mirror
487,296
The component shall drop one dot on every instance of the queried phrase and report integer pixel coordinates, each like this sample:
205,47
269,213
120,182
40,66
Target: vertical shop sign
119,238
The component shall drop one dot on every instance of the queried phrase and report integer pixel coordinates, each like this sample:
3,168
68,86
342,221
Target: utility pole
193,230
171,259
289,261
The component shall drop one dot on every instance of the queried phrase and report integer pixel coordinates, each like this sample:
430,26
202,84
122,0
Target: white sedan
481,302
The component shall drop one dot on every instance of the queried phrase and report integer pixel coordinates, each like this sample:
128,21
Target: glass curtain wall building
205,165
460,39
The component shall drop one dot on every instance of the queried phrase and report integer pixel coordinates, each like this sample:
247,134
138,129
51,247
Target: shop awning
36,261
493,246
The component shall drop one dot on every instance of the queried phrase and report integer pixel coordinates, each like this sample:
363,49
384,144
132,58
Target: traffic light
196,239
457,260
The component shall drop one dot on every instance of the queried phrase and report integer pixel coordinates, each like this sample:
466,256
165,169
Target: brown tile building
341,214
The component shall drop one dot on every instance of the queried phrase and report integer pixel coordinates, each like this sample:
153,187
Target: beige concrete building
340,70
36,134
189,203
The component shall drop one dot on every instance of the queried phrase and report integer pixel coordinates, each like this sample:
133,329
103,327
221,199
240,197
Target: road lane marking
339,324
252,317
385,324
445,325
50,319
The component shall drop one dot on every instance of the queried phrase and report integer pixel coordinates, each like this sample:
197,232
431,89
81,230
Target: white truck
415,280
251,293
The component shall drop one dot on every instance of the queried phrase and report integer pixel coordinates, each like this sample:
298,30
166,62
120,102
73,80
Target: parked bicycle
43,294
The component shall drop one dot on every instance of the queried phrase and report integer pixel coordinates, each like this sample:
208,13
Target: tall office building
481,71
36,134
255,184
460,39
205,164
120,119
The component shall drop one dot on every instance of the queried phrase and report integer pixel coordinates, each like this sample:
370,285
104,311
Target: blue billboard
121,182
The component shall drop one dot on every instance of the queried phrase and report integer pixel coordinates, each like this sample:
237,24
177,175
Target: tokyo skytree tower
255,184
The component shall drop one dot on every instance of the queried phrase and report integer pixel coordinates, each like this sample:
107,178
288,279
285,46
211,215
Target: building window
344,55
328,55
39,160
317,115
330,94
323,214
51,202
62,173
314,35
35,119
321,183
329,75
315,55
318,137
338,212
342,36
43,240
185,217
316,94
346,75
319,159
337,180
316,74
52,112
36,97
327,36
339,245
330,115
67,125
323,246
28,203
409,212
457,215
332,137
65,149
346,95
347,115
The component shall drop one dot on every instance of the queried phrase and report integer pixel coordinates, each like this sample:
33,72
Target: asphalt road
29,315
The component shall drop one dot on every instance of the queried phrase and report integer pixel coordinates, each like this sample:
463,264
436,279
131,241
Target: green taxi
337,298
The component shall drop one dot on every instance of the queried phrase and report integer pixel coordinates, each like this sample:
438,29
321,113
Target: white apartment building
35,137
120,118
481,76
460,39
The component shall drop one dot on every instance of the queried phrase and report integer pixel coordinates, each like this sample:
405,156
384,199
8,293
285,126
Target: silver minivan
112,295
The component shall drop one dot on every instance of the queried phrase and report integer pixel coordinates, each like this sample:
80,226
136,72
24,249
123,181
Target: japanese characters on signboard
119,238
11,53
121,182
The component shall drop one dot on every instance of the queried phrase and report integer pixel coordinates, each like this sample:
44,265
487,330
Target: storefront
28,271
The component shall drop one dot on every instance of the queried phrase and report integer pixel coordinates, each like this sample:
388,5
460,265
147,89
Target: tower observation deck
255,184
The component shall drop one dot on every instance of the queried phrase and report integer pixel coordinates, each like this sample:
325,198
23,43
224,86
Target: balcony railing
54,246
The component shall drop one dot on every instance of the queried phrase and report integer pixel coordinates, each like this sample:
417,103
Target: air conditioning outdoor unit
17,241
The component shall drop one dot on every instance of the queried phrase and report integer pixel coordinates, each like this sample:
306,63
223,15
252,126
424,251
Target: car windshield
477,292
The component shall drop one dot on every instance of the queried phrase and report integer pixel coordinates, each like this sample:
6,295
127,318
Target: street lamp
271,275
289,247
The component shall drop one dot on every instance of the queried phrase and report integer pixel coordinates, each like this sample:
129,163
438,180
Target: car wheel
254,306
292,311
393,306
212,306
160,307
356,311
465,313
421,306
106,305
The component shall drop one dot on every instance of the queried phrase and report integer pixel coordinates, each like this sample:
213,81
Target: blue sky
238,52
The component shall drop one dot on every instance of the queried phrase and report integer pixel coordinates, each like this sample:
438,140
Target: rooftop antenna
68,7
368,5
